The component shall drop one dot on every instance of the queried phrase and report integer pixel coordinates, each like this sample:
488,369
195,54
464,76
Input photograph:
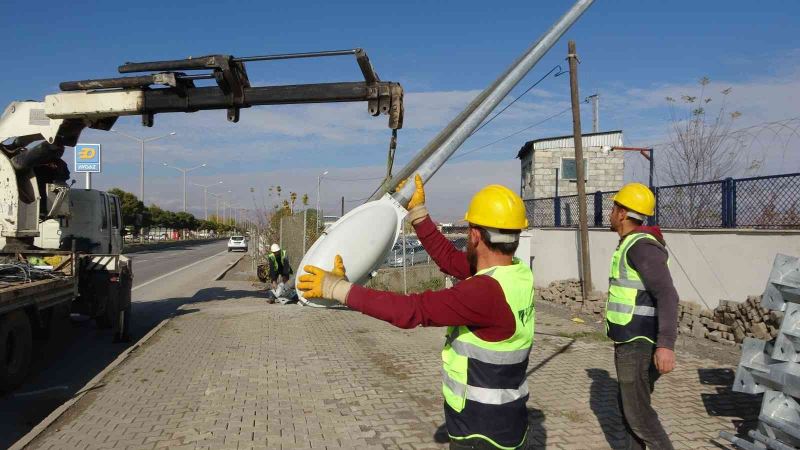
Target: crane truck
61,247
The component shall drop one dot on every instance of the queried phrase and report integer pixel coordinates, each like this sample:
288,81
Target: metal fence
770,202
296,234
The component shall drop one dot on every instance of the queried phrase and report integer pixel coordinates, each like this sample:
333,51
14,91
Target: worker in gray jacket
641,314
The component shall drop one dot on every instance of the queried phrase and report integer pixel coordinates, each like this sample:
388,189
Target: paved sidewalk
234,372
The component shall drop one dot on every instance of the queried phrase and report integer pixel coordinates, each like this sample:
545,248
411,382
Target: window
568,169
114,213
103,211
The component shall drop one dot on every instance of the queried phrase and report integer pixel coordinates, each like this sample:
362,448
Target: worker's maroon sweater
477,302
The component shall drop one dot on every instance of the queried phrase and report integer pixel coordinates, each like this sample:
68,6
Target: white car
237,243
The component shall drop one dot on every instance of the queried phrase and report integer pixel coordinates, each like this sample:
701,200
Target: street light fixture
205,195
142,141
184,171
319,182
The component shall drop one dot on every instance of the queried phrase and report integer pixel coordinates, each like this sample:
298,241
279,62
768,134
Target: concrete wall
706,265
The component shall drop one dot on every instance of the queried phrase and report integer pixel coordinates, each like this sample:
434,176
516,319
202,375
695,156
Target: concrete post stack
773,367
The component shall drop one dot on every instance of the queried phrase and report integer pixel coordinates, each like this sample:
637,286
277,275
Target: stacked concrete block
568,293
772,367
729,323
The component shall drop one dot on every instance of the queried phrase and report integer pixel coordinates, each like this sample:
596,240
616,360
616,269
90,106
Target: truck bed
41,293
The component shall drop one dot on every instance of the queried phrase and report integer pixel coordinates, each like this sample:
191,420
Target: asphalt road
163,281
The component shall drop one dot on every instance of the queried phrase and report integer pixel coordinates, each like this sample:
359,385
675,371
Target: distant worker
279,271
641,314
489,315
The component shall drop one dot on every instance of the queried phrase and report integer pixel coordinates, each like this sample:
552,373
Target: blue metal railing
767,202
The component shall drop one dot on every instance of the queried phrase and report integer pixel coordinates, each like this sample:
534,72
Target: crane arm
98,103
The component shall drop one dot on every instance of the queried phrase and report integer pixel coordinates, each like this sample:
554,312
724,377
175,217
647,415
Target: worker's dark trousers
637,375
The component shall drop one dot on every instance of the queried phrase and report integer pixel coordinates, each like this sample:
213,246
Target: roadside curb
231,266
93,384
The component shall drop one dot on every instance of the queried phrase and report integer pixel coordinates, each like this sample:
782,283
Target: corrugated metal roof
610,138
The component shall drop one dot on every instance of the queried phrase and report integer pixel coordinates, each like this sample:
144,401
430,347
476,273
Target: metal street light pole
216,196
205,196
142,141
184,171
319,182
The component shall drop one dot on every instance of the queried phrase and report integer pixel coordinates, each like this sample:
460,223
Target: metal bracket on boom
233,90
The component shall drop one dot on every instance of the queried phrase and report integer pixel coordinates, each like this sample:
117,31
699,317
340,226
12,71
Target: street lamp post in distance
184,171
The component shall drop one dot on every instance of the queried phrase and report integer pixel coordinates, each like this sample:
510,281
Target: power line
560,71
512,134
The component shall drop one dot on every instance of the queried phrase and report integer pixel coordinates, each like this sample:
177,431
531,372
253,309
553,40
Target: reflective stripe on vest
485,395
635,310
491,374
626,318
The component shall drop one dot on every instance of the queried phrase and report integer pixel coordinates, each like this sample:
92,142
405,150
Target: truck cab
94,222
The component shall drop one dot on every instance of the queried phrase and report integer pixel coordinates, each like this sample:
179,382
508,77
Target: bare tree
701,146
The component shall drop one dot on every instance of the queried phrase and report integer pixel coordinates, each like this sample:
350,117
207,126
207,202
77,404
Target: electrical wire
511,135
560,71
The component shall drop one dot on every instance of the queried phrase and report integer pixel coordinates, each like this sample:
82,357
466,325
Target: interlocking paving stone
240,373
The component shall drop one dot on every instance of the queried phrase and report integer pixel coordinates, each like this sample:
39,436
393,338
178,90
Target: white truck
59,253
60,248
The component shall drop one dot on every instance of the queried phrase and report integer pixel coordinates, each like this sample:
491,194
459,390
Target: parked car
415,254
237,243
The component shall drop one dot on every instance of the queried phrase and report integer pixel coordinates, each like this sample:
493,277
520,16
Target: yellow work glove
416,206
319,283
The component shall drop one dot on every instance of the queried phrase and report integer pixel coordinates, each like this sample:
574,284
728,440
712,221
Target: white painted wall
706,265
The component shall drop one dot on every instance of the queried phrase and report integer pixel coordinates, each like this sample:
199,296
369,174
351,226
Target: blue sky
633,53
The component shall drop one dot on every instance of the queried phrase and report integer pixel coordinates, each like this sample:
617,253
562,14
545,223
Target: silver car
415,254
237,243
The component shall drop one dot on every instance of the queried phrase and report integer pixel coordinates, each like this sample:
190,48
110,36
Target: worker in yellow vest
489,316
641,314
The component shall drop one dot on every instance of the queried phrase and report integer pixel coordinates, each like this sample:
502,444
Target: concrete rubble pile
772,368
729,323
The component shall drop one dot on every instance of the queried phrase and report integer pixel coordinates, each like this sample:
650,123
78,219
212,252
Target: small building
542,159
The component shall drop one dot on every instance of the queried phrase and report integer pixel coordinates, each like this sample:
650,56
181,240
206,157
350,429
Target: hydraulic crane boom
98,103
36,175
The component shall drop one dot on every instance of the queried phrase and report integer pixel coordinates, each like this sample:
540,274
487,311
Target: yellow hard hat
497,206
637,198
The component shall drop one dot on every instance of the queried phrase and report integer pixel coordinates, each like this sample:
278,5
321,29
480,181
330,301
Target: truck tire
110,316
16,346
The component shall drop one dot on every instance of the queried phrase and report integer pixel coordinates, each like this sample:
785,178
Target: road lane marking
178,270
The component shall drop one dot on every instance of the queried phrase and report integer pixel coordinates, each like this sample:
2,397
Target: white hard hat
275,248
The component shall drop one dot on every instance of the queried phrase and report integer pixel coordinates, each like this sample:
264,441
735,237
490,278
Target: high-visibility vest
631,313
274,261
484,382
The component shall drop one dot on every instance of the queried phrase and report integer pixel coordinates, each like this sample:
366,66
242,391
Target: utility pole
586,271
342,215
